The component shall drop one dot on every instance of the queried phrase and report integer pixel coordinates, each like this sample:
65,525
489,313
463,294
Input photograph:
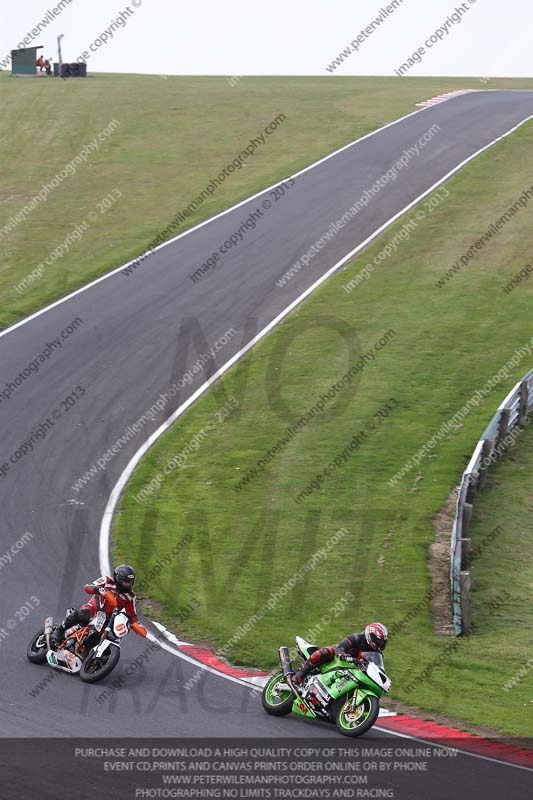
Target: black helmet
376,635
124,577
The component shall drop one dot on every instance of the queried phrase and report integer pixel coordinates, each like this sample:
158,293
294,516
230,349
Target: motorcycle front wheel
94,669
275,701
358,721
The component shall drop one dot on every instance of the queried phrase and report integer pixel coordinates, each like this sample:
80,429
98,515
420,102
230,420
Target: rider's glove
347,657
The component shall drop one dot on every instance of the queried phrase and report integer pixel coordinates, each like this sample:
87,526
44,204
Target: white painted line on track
198,664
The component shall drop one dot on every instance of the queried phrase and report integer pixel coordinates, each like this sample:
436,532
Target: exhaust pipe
285,662
286,668
48,627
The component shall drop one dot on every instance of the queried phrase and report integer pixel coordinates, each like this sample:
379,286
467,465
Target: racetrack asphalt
125,354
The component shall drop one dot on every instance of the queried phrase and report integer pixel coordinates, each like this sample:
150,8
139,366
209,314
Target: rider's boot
58,634
302,673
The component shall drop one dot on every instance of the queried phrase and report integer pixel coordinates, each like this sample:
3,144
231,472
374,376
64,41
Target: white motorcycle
91,650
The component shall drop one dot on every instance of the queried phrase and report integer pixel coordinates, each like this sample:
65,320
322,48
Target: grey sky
282,37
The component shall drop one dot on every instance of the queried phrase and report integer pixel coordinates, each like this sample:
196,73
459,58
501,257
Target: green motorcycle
345,691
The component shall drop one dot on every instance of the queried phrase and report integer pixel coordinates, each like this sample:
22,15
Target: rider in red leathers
121,586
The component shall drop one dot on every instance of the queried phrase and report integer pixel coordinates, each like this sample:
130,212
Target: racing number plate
99,620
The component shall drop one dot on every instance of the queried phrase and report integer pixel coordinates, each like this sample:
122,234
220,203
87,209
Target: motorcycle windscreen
374,658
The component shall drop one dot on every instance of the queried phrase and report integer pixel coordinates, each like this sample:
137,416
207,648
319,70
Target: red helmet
376,635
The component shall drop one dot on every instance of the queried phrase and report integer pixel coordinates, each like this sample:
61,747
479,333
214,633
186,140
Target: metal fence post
524,402
503,427
485,461
466,604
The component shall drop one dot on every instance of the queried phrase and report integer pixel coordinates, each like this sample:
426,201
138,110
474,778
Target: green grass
502,575
245,545
175,134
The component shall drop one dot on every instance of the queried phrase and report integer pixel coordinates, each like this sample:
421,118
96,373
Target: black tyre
94,669
360,720
277,703
37,648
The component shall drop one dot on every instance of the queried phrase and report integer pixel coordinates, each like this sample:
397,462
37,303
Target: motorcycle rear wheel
36,651
358,722
279,705
93,669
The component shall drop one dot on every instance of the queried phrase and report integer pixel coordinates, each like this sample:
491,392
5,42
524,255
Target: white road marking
198,664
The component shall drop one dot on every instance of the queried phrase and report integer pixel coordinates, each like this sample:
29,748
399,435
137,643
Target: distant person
48,67
40,63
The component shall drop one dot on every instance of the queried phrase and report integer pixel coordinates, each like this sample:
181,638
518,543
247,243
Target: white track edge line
217,216
198,664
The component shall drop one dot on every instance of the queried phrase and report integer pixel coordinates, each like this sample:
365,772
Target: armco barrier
498,435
